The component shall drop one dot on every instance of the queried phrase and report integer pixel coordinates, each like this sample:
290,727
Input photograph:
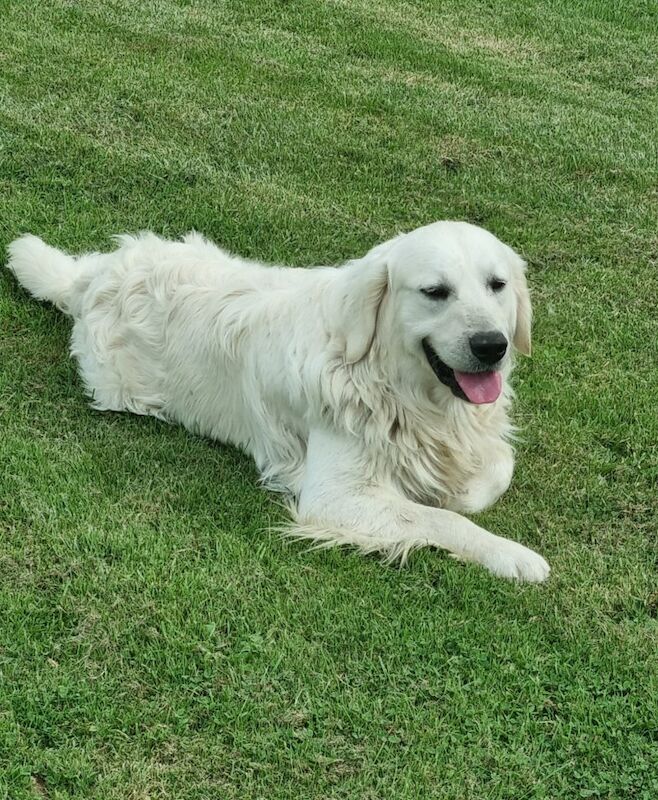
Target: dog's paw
512,560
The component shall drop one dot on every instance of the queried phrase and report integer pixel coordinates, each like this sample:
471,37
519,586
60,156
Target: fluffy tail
45,272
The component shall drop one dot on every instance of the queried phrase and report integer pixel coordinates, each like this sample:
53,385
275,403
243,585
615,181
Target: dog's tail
46,273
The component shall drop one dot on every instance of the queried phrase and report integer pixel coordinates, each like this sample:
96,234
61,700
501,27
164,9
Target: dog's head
450,297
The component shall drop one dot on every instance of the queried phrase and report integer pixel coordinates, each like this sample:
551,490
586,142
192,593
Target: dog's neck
429,442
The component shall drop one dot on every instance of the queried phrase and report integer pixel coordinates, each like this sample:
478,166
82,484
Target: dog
374,394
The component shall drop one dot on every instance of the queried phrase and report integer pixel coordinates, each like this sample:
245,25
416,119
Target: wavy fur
317,373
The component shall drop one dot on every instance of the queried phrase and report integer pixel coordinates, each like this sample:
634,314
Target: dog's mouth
473,387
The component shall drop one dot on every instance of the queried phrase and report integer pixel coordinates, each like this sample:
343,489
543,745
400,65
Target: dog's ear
522,333
354,303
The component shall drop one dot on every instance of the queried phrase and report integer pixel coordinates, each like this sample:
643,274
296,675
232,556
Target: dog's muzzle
473,387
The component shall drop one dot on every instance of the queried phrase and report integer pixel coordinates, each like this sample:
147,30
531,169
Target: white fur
318,373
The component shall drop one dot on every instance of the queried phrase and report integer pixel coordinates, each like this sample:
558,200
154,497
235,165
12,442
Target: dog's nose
488,346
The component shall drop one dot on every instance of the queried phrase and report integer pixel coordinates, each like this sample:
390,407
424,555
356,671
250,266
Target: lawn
157,640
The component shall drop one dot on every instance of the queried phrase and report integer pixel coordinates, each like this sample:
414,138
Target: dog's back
186,332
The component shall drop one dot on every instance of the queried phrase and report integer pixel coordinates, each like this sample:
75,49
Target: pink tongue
480,387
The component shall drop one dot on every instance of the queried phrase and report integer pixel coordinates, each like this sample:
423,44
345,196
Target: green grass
154,641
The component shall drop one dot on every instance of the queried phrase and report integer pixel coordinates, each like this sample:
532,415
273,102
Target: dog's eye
437,292
497,285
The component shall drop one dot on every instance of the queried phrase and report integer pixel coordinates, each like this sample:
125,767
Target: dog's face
455,295
456,302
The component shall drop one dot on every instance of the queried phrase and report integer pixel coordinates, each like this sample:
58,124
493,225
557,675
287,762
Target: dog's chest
433,459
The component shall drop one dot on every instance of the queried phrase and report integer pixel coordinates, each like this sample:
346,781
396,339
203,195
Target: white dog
374,394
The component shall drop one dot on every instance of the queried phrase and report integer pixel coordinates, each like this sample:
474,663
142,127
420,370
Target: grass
154,641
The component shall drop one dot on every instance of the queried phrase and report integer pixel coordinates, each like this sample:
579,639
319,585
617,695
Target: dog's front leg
342,504
488,484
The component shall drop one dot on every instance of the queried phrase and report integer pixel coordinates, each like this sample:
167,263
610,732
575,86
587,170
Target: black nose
488,346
